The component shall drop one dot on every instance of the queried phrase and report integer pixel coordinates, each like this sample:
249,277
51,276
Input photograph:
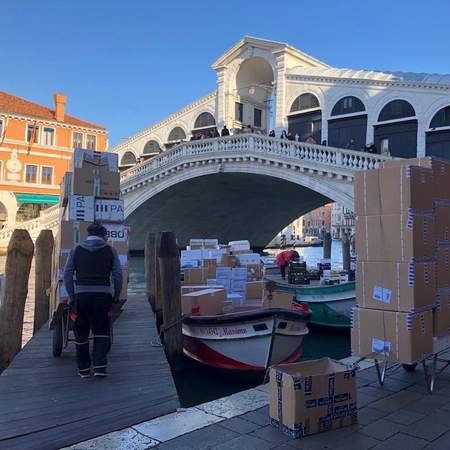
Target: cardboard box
211,265
239,245
186,289
116,232
393,336
248,258
207,302
254,290
278,299
229,261
227,307
92,181
105,161
238,285
312,396
239,273
393,190
441,314
254,271
80,207
210,243
195,276
109,210
72,233
443,265
392,286
236,298
442,214
395,237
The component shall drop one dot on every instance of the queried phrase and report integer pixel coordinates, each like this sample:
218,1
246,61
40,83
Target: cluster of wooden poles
345,249
19,257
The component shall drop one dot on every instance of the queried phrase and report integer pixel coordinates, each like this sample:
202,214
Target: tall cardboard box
93,181
442,213
443,265
105,161
312,396
393,190
109,210
254,290
441,314
278,299
208,302
393,336
80,207
396,286
395,237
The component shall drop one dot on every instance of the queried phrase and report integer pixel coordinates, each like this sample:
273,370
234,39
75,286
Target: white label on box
381,347
191,254
109,210
382,294
81,207
116,232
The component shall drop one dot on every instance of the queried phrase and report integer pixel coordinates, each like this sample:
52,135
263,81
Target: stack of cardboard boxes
402,243
89,193
222,278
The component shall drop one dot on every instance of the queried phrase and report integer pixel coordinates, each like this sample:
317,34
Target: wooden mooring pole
42,278
18,264
327,245
152,277
169,269
346,252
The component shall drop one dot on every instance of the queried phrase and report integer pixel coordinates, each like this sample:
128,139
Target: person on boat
283,260
93,262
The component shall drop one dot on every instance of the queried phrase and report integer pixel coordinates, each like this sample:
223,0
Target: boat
245,341
330,306
309,241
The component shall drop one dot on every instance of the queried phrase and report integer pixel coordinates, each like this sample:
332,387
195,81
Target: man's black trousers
93,313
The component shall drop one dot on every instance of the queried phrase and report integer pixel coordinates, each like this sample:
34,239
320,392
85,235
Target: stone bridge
246,186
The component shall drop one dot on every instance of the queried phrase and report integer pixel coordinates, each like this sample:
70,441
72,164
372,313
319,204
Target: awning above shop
37,199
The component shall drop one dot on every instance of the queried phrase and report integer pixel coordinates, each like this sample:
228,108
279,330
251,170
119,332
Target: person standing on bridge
93,262
225,131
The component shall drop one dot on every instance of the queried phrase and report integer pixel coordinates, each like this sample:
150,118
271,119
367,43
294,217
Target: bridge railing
47,219
259,144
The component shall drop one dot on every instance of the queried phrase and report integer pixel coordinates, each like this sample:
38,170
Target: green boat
330,305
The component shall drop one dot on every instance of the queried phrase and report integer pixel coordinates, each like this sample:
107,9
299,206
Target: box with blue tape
312,396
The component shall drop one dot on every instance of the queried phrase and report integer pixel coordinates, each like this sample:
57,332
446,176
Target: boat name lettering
231,331
213,331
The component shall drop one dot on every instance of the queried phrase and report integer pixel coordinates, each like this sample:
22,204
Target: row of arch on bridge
395,131
204,124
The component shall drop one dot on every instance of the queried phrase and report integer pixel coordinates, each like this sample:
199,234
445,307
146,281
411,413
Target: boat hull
250,341
330,305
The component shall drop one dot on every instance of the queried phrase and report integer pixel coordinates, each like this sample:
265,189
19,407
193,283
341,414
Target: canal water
198,385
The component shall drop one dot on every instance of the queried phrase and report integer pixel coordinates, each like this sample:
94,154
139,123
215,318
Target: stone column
280,94
422,125
221,100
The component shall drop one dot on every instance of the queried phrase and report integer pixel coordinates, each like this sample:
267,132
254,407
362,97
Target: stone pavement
399,415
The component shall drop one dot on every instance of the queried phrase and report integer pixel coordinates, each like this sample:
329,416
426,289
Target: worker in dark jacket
93,262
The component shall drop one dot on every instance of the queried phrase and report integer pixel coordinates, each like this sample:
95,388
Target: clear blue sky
127,64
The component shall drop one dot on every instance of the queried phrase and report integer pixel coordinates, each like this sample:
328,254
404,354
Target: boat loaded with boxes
90,192
231,318
403,272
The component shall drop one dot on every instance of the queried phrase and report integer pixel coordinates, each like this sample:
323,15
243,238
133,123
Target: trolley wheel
57,339
410,367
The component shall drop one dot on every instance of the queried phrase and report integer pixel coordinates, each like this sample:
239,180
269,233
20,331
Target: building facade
342,221
36,145
265,84
318,221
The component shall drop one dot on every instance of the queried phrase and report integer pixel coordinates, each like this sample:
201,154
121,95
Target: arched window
441,118
305,101
348,105
151,148
177,134
128,159
204,120
397,109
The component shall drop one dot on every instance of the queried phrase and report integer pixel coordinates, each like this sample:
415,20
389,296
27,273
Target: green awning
38,199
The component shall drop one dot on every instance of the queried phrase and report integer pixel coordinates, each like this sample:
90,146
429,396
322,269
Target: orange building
36,145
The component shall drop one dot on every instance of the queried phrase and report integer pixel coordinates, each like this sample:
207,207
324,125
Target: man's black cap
95,229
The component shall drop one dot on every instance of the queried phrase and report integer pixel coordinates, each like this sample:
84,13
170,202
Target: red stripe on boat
199,351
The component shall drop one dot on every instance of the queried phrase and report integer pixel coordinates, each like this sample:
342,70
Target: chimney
60,106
